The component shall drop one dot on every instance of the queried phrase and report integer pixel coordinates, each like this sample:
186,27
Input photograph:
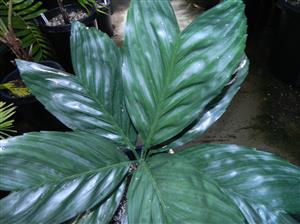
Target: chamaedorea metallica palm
175,86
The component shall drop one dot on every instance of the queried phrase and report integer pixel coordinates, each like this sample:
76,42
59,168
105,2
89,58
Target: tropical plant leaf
90,100
97,63
56,176
166,190
103,214
215,109
258,213
169,76
253,178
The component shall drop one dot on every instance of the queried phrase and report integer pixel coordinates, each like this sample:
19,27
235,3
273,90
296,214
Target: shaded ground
266,112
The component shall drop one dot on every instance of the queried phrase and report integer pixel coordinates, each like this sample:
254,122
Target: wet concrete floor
265,114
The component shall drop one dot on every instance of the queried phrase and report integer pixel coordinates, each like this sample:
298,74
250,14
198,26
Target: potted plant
23,38
285,50
56,24
18,31
173,86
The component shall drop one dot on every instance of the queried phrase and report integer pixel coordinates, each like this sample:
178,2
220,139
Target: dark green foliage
176,84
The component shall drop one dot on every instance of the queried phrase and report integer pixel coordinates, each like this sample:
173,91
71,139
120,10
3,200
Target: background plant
6,121
87,4
173,86
18,31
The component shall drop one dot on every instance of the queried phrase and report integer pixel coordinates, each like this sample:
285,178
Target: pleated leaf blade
264,186
214,110
103,213
79,104
97,63
170,76
56,176
164,190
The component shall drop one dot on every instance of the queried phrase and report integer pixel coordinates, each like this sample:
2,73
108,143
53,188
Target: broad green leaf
97,63
103,214
257,213
75,103
56,176
170,77
214,109
254,176
166,190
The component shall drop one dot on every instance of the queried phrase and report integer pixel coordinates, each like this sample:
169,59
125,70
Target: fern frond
24,11
6,123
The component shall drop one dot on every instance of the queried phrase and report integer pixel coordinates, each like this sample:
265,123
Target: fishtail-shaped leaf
169,76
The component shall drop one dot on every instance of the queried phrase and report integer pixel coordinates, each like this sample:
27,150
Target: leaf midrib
162,94
61,180
156,188
114,123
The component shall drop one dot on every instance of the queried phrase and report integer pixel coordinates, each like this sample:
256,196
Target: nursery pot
104,18
285,53
207,4
30,113
59,36
5,61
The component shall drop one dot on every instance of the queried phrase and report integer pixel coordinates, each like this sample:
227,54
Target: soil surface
73,16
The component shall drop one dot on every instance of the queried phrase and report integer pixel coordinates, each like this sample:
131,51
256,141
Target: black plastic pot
31,114
285,60
104,18
60,35
207,4
5,57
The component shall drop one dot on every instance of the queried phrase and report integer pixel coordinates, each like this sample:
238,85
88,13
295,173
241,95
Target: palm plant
18,31
167,87
6,123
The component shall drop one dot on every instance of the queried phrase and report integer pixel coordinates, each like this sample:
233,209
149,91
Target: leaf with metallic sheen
97,64
56,176
256,177
94,98
214,109
170,76
103,214
166,190
257,213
